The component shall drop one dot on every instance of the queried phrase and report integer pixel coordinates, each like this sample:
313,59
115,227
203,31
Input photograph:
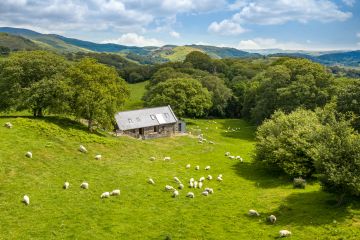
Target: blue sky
243,24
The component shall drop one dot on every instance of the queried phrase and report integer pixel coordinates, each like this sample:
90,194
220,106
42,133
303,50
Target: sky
315,25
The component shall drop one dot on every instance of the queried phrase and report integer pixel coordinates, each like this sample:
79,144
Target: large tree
98,92
186,96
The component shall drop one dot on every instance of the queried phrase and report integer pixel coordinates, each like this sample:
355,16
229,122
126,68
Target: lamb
207,168
271,219
190,195
82,149
188,166
28,154
227,154
175,193
8,125
284,233
84,185
209,177
152,158
253,213
181,186
151,181
115,192
26,200
105,195
169,188
66,185
197,167
195,184
177,180
167,158
98,157
205,193
200,185
201,179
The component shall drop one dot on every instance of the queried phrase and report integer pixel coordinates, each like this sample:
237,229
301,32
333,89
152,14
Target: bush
299,183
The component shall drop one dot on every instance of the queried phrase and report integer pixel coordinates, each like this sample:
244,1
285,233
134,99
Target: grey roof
147,117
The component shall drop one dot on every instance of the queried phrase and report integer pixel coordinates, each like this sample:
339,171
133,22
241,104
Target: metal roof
146,117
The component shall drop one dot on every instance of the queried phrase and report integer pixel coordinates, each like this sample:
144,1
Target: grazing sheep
271,219
232,157
190,195
207,168
169,188
201,179
84,185
227,154
152,158
26,200
197,167
253,213
191,180
151,181
188,166
177,180
238,157
115,192
209,177
8,125
28,154
175,193
210,190
82,149
98,157
191,184
205,193
167,158
200,184
181,186
105,195
284,233
66,185
219,178
195,184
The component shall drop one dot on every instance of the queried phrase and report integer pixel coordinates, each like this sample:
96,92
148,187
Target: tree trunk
40,112
34,112
90,125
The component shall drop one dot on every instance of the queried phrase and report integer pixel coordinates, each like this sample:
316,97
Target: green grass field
145,211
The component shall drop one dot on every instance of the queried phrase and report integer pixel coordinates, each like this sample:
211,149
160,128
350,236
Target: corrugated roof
147,117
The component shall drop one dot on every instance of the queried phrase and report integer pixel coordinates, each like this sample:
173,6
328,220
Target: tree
98,92
185,95
200,61
166,73
23,69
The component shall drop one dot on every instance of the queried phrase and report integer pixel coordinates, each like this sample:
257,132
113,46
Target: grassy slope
137,90
179,53
144,211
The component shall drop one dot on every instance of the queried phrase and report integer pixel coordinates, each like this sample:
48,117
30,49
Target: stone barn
149,123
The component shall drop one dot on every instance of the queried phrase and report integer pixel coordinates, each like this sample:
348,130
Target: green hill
17,42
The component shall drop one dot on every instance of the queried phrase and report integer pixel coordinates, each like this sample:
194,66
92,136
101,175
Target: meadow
145,211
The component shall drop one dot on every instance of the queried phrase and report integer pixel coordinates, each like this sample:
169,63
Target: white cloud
133,39
350,3
174,34
226,27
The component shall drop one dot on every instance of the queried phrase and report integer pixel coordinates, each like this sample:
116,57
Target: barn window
152,117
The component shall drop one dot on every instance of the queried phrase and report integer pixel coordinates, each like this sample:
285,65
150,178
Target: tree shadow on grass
238,128
312,208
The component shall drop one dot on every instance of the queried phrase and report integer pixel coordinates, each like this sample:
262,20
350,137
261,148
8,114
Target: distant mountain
224,52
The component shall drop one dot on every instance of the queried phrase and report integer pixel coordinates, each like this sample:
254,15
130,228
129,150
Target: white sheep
66,185
197,167
200,184
205,193
98,157
152,158
209,190
207,168
219,178
28,154
201,179
188,166
26,200
82,149
190,195
195,184
169,188
151,181
167,158
105,195
232,157
209,177
227,154
8,125
181,186
115,192
191,184
175,193
272,219
177,180
253,213
284,233
191,180
84,185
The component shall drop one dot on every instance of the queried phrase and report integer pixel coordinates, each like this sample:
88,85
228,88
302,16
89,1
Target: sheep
175,194
181,186
191,184
169,188
26,200
28,154
151,181
204,140
207,168
66,185
219,178
177,180
152,158
201,179
205,193
271,219
167,158
191,180
115,192
227,154
195,184
284,233
211,142
8,125
190,195
239,158
232,157
188,166
197,167
98,157
82,149
209,190
209,177
200,185
105,195
253,213
84,185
